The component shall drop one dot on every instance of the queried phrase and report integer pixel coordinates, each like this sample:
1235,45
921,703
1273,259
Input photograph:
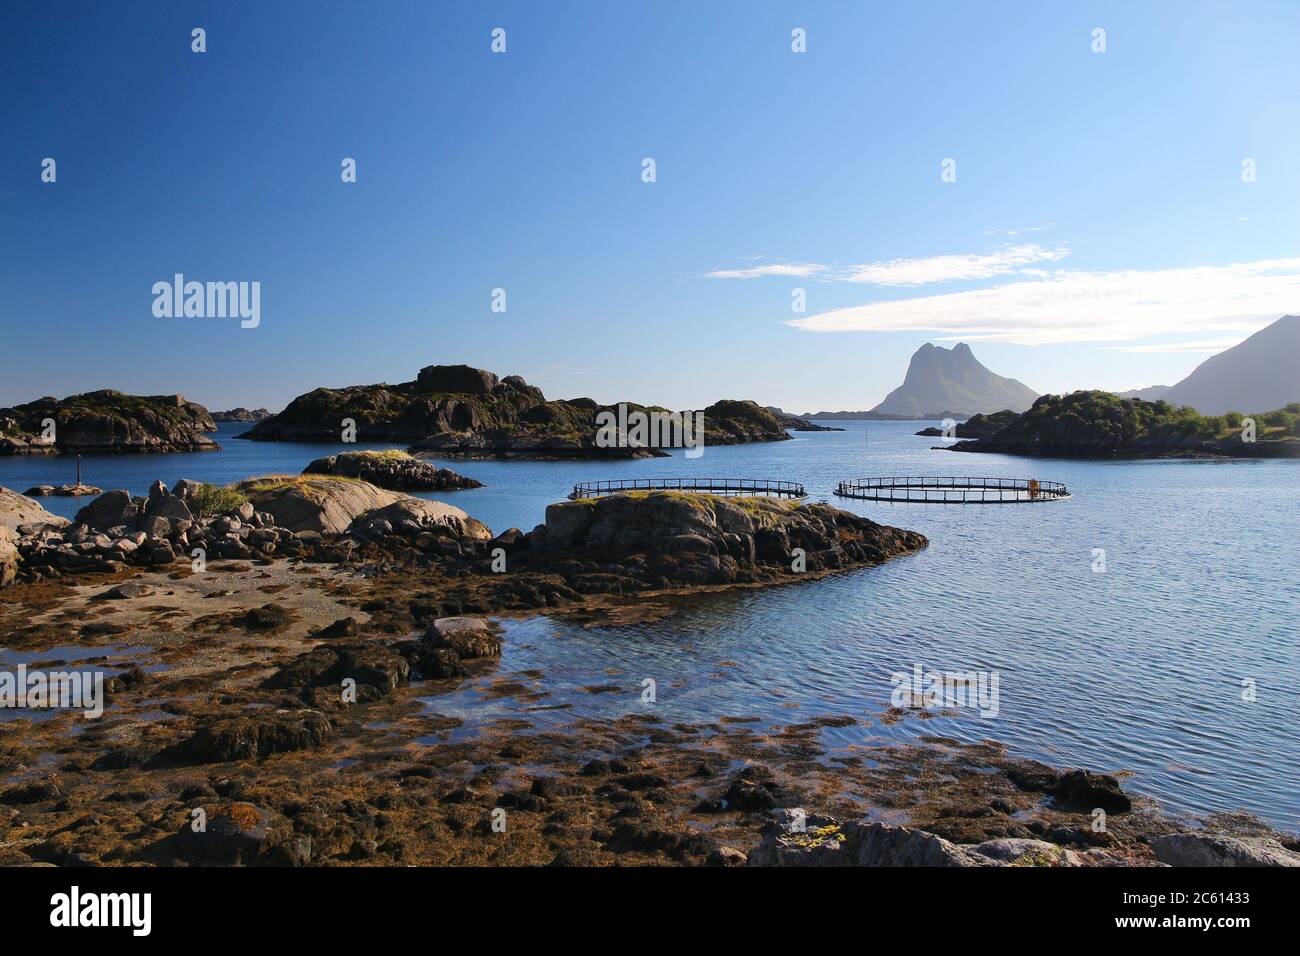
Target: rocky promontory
459,411
663,539
106,421
977,426
394,470
1097,424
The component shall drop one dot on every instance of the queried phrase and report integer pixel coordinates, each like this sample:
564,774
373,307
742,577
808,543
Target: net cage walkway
953,490
735,487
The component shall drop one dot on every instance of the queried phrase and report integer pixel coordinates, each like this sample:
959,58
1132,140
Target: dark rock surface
396,472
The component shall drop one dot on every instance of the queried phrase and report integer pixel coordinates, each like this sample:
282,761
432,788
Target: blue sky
1098,224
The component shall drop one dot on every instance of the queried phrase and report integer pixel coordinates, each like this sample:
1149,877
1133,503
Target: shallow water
1137,668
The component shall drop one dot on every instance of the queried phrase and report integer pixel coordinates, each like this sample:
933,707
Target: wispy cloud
1012,233
926,270
905,272
1077,306
797,269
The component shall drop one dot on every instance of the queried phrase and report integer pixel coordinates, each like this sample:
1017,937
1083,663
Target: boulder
796,839
878,844
109,509
1020,852
16,509
469,637
168,506
8,557
1209,849
323,504
1083,788
424,514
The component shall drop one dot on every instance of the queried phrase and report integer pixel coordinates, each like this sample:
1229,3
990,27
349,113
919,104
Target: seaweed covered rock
251,737
375,668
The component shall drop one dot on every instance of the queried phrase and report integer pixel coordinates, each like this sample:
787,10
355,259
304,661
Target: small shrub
208,501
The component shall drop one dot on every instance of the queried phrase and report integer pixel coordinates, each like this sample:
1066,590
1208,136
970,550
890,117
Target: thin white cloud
1012,233
1207,345
903,272
799,270
1076,306
1011,260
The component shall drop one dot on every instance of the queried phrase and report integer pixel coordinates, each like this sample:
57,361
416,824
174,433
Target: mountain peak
941,380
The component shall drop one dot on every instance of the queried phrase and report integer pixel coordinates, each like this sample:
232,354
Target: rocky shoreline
290,691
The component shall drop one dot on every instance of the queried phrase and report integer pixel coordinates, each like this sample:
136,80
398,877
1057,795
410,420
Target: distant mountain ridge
1260,373
952,382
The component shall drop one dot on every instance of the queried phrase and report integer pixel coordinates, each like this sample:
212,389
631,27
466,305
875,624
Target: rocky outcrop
629,542
396,471
62,491
241,415
455,410
977,426
1209,849
107,421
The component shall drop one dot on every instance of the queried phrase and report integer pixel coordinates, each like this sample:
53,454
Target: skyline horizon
798,410
668,209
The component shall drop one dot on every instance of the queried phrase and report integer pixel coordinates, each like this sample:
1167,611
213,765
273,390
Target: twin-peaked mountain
942,382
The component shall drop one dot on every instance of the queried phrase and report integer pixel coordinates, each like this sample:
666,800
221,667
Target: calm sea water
1138,668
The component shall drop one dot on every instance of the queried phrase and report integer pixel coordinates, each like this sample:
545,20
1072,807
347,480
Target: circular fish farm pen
733,487
953,490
